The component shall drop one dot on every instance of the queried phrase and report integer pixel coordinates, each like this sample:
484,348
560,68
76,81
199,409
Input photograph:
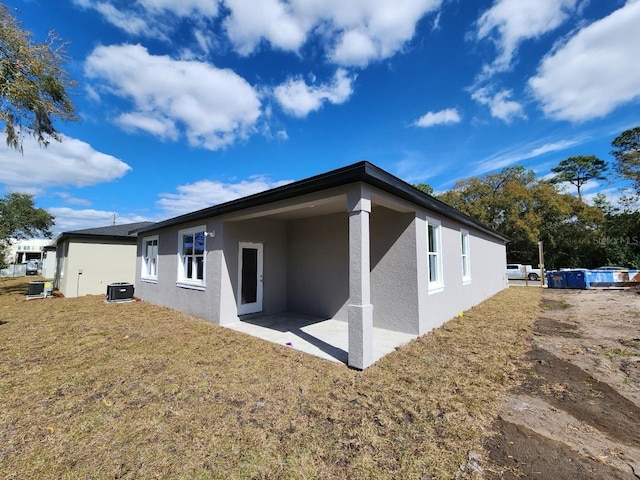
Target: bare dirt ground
577,414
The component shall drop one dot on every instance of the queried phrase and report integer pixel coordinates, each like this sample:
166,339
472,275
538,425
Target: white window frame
465,248
436,285
145,265
183,280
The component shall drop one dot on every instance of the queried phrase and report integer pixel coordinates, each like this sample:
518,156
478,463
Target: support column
360,310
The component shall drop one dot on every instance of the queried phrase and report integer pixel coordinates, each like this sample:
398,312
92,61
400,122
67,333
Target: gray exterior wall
216,302
306,266
318,274
394,279
488,264
164,291
273,235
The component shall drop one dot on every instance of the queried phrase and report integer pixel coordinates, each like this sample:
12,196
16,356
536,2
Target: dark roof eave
361,171
122,238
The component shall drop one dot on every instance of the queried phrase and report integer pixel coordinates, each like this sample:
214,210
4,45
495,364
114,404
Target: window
435,256
191,265
466,261
149,258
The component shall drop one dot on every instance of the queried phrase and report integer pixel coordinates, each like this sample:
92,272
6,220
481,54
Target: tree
425,187
20,219
33,84
525,209
621,240
579,170
627,154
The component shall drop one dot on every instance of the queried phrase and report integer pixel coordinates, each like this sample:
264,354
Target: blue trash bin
557,279
576,278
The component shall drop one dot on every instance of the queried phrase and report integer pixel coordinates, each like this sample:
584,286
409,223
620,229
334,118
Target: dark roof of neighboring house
358,172
126,232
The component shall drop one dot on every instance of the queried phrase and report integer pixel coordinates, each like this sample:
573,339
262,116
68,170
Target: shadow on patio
323,338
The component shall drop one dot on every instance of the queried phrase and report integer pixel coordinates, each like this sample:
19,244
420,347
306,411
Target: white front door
249,278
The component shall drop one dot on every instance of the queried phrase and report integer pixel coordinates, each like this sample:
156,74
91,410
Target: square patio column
360,310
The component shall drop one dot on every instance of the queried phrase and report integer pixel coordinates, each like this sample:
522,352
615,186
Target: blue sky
189,103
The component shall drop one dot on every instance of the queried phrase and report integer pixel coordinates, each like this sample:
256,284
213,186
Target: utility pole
541,264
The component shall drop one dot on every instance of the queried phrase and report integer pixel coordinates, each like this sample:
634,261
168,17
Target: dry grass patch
96,390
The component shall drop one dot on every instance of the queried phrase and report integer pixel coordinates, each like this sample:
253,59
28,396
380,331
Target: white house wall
101,264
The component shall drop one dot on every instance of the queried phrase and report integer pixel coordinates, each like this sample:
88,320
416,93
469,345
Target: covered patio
327,339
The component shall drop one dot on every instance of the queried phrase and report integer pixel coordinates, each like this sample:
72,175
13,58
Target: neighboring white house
49,261
355,244
88,260
19,251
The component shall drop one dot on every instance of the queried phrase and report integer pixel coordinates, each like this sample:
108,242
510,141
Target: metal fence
15,270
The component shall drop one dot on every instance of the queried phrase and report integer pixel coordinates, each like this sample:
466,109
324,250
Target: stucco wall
101,263
217,302
488,263
164,291
306,268
394,286
318,273
273,235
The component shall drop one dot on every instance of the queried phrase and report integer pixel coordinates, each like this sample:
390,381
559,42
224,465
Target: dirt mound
577,414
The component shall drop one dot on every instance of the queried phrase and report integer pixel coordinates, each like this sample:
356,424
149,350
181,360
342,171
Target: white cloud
616,196
509,22
70,162
519,153
595,71
68,219
354,32
128,21
145,17
369,30
499,103
214,107
182,8
299,99
251,21
70,199
159,126
416,167
205,193
448,116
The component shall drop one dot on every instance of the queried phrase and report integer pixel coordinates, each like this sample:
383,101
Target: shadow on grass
17,285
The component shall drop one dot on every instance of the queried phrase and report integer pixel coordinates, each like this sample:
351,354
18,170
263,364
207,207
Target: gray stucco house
355,244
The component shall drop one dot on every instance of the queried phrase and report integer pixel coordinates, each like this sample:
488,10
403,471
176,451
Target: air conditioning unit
35,288
119,292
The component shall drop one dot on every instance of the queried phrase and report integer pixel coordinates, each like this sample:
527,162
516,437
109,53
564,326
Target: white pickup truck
518,270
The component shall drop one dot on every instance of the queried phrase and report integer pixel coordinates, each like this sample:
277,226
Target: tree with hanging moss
34,87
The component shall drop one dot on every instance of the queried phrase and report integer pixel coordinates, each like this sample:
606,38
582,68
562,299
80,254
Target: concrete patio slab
323,338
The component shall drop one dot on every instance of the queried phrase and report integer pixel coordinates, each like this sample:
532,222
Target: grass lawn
96,390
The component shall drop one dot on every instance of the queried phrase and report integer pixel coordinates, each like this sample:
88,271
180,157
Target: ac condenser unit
119,292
